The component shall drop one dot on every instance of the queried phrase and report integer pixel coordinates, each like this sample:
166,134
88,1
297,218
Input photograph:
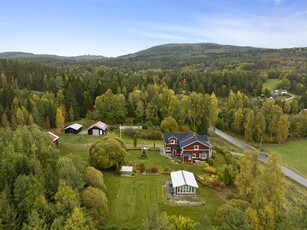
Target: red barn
54,138
188,146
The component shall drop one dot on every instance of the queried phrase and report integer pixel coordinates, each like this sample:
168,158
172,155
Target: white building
184,183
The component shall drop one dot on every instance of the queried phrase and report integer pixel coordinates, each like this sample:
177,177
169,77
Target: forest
166,88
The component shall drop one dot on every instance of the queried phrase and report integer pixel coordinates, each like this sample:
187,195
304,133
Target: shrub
210,161
154,169
142,167
210,169
215,183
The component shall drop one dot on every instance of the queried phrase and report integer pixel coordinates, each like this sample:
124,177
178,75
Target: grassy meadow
271,84
293,154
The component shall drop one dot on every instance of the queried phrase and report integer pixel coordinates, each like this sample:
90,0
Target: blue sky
117,27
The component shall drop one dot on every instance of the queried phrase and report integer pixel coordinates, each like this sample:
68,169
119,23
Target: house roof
193,140
179,136
53,136
187,138
74,126
181,177
99,125
126,169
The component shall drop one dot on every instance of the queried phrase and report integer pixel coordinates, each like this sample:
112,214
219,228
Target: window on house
196,147
173,141
168,149
194,155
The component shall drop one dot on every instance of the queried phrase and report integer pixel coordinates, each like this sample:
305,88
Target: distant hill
208,55
173,56
49,59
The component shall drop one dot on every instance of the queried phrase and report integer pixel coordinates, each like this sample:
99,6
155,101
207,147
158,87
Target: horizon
53,54
113,28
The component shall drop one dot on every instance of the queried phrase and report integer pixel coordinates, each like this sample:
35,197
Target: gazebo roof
181,177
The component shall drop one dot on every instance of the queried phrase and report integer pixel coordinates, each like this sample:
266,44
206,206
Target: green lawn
293,154
271,84
130,198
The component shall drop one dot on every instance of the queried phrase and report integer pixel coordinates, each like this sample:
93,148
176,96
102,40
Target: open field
271,84
131,198
293,154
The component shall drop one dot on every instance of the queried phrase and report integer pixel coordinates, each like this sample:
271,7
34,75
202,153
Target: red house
188,146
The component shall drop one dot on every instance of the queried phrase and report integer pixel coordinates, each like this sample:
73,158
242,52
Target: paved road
262,157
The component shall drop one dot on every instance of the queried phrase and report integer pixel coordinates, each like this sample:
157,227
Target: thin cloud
252,31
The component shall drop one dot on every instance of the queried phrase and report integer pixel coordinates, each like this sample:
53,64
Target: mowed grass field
271,84
131,198
293,154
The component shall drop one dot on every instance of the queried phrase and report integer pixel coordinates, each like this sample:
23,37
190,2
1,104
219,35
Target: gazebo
184,183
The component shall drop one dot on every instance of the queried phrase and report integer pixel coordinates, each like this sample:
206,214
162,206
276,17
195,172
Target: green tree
169,124
249,125
158,221
95,200
70,174
94,178
77,221
226,178
282,129
260,126
272,183
234,220
107,154
238,121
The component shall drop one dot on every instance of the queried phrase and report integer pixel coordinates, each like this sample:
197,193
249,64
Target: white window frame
194,155
203,156
168,149
196,147
173,141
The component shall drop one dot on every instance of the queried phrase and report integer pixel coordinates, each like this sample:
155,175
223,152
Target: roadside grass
131,198
271,84
293,154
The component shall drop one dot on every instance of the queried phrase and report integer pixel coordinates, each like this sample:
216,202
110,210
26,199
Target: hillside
174,56
208,55
49,59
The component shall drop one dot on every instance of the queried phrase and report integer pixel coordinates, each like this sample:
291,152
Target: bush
210,161
154,169
210,169
222,185
142,167
153,134
215,183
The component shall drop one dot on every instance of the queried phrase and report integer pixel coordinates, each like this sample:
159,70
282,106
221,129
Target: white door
96,132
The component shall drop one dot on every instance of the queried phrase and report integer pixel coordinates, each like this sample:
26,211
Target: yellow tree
245,180
213,109
59,119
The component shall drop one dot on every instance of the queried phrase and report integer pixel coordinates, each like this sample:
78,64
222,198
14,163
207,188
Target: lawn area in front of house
131,198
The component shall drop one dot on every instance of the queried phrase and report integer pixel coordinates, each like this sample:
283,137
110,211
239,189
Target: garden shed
126,170
74,128
97,129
